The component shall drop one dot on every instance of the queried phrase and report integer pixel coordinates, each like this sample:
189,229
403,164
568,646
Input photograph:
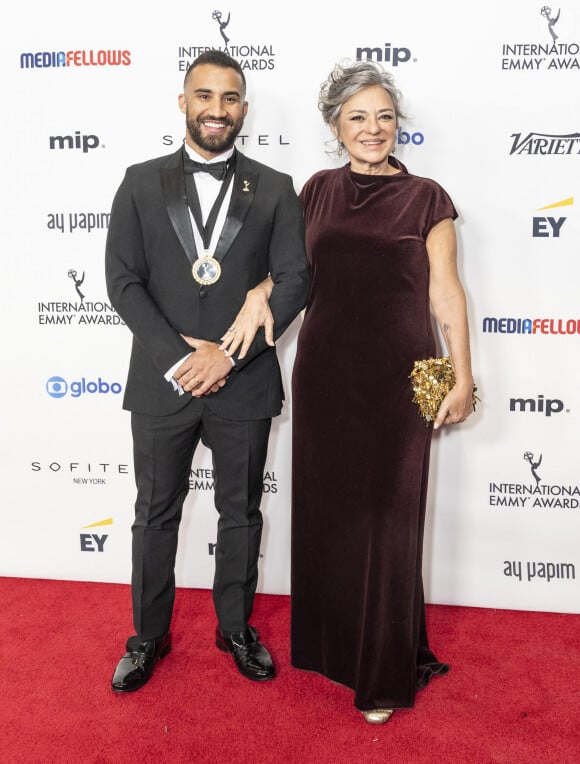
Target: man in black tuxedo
191,235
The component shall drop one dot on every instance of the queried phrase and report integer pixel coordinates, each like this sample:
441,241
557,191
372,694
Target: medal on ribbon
206,270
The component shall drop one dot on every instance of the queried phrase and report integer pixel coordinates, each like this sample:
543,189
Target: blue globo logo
57,387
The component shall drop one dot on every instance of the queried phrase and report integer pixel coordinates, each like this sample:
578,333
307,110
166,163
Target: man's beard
217,144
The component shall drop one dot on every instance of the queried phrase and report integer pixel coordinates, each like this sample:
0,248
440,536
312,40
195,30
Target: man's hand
204,371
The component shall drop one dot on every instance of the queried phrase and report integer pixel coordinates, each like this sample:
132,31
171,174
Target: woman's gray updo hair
347,79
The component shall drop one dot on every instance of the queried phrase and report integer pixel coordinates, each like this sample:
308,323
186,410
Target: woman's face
367,126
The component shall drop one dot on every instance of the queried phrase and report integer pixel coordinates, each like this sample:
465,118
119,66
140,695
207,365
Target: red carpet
513,694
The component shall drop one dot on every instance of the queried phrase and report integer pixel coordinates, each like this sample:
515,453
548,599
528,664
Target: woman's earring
339,148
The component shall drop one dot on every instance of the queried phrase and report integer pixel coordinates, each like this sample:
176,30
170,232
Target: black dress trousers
163,451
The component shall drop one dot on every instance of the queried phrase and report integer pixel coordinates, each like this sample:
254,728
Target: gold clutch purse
432,379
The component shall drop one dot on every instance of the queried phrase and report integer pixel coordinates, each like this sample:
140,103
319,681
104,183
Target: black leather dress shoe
251,657
136,666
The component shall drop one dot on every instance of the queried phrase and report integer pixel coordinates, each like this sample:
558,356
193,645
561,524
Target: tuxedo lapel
243,192
173,185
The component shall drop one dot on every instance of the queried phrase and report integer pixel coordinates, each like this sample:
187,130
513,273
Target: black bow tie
217,169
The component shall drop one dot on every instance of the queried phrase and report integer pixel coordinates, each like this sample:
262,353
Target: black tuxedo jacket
149,248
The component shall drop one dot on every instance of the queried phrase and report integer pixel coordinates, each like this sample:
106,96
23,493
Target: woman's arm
254,313
448,304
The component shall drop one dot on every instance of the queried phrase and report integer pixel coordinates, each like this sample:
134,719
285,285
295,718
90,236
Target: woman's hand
254,313
456,406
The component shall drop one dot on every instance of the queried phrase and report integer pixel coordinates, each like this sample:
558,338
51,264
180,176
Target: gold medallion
206,270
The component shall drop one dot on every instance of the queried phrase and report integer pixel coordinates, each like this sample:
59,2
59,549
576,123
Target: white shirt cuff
169,375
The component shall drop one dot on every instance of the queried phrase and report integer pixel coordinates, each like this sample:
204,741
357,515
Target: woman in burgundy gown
381,243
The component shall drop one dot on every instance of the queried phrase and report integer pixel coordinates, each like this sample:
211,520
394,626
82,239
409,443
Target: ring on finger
233,330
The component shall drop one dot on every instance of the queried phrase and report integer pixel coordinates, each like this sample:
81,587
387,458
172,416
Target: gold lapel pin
246,187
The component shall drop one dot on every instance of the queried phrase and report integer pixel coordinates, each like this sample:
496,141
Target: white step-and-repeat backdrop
494,98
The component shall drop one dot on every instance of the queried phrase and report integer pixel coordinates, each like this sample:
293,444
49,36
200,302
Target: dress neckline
362,180
366,179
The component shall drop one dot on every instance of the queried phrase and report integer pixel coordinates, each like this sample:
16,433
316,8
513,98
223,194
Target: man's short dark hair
216,58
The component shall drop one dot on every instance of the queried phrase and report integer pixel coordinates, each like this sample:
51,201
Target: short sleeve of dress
309,191
438,206
304,195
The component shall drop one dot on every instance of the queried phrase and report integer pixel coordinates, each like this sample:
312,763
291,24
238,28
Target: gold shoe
378,715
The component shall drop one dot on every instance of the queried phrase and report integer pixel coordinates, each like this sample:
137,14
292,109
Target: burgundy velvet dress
360,448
